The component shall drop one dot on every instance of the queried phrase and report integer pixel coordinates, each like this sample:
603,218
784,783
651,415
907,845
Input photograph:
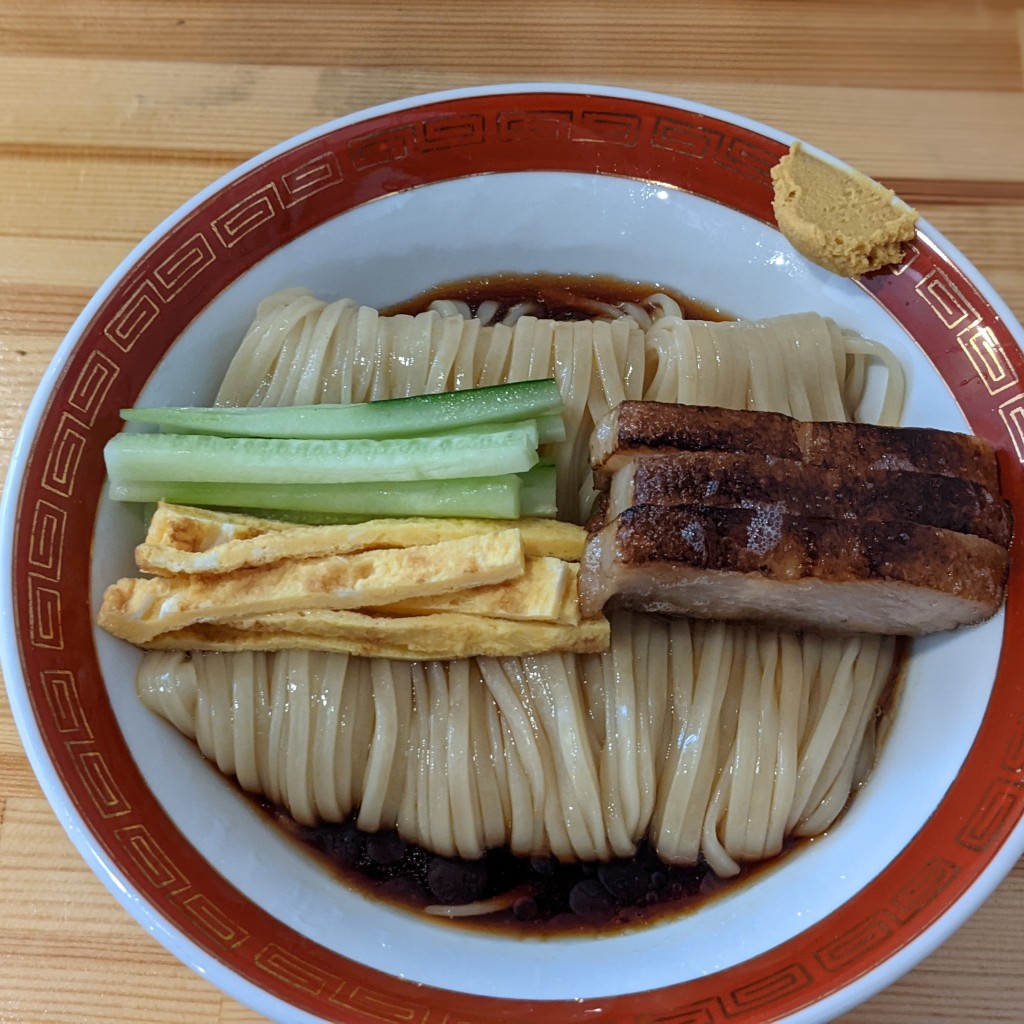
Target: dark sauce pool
535,896
539,897
553,296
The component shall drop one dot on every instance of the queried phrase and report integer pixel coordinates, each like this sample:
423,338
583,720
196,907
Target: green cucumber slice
539,494
495,497
550,428
390,418
137,456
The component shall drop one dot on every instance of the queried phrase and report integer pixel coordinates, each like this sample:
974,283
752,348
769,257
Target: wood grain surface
114,113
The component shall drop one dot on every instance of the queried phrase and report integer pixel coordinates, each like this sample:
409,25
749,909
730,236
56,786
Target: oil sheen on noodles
711,740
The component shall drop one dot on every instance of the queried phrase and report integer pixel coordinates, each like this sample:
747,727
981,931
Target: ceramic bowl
380,206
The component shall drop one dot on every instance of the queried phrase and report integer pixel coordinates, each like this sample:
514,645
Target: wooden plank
105,968
1020,36
20,370
33,321
104,198
234,1013
15,771
78,264
226,113
903,44
38,312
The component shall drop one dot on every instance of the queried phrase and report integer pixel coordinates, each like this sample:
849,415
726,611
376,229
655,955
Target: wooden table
114,113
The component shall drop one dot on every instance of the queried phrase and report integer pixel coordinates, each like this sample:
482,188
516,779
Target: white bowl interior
394,248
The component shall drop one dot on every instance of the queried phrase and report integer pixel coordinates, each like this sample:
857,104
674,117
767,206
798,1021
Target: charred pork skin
658,428
725,479
829,527
764,565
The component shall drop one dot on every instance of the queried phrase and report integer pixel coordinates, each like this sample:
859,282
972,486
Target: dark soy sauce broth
540,897
554,296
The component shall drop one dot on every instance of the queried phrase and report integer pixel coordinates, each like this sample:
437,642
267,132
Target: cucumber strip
137,456
494,497
539,494
550,428
390,418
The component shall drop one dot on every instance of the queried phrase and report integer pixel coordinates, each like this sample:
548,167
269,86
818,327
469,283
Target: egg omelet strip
139,609
548,591
444,635
182,539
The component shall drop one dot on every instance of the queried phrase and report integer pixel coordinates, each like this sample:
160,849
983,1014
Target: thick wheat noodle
448,332
465,804
309,352
325,741
769,755
278,389
794,394
685,788
381,757
563,786
407,817
757,734
650,722
501,812
855,732
626,762
521,349
578,764
363,711
462,797
709,375
518,731
790,686
438,823
861,352
487,801
295,767
432,813
747,809
390,374
556,813
557,817
823,735
263,343
576,489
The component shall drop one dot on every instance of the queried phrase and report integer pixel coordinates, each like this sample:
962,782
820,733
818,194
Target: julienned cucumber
135,457
453,454
550,427
539,494
391,418
494,497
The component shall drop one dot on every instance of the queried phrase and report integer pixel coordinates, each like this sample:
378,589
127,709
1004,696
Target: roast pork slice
654,428
658,428
727,479
764,565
